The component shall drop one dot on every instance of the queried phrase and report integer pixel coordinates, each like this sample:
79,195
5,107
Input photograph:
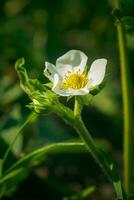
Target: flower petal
50,71
97,71
73,60
55,81
70,92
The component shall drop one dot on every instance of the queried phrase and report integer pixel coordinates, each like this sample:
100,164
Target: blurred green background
42,31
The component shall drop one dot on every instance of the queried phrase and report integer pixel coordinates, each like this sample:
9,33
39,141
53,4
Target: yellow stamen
75,81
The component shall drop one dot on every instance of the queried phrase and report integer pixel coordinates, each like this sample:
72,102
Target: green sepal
69,98
95,90
43,101
42,98
85,99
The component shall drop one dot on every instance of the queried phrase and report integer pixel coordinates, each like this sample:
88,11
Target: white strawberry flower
69,76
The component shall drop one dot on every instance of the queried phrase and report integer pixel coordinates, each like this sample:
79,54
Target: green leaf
51,149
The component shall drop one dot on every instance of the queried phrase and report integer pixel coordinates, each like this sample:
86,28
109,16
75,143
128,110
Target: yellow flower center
75,81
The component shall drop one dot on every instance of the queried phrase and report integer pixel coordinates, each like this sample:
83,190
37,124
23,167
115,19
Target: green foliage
39,31
19,170
44,99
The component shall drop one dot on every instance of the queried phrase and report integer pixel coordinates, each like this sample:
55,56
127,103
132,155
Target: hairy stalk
127,107
30,117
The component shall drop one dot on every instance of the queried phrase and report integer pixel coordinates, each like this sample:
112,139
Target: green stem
30,117
77,107
73,118
86,137
127,107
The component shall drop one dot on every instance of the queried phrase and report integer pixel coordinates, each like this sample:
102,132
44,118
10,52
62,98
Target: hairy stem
73,118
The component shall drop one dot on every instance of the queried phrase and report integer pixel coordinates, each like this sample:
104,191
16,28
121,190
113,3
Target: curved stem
127,107
103,160
86,137
30,117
